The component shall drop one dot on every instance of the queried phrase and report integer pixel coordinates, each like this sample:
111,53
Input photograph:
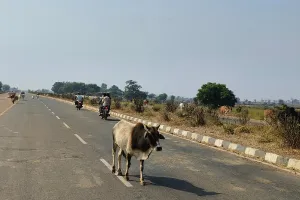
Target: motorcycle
105,113
79,105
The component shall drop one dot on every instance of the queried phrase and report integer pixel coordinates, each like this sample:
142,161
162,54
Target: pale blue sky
171,46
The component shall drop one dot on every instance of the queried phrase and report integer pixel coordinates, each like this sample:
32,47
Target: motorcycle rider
104,101
78,98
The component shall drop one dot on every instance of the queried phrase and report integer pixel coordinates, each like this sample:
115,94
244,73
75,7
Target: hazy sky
171,46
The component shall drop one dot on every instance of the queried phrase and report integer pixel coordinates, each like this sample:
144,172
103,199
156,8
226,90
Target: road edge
281,162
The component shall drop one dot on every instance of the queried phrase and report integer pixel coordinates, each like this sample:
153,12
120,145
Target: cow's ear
161,137
147,128
146,134
157,127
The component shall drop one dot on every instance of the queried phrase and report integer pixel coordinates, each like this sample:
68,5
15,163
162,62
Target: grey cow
136,140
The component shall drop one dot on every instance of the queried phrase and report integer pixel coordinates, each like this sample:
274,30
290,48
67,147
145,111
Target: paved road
49,150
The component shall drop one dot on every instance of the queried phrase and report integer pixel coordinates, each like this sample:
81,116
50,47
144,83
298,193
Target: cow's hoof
119,173
142,183
113,170
127,177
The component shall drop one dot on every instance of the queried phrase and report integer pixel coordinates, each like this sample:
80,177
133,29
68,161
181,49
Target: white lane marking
57,117
66,125
16,132
49,109
80,139
121,178
53,113
8,129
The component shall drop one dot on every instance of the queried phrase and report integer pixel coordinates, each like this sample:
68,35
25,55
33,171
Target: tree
0,86
172,98
58,87
132,91
281,102
69,87
92,88
215,95
5,88
162,97
103,87
151,96
115,91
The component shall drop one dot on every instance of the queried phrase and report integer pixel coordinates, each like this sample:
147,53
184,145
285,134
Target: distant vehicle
22,95
105,113
78,104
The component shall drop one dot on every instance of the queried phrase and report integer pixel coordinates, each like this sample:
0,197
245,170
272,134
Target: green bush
242,129
165,115
239,109
94,101
243,116
156,107
125,104
171,106
212,116
229,128
138,105
197,117
194,114
117,103
180,113
289,131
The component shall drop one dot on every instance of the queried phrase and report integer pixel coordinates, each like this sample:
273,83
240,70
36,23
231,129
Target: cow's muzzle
158,147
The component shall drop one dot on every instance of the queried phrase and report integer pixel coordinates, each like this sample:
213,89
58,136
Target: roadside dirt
4,102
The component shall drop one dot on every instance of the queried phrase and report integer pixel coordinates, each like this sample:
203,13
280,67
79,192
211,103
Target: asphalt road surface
49,150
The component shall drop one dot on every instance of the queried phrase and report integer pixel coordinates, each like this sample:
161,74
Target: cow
181,106
268,113
136,140
225,109
13,97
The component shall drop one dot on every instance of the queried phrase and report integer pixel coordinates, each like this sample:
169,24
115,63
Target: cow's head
153,135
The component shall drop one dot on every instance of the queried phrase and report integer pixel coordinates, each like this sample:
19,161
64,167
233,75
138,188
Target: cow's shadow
112,120
176,184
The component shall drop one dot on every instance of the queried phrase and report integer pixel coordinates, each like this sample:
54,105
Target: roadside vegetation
202,114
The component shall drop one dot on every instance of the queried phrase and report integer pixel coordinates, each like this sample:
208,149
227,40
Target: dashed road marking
121,178
57,117
7,109
8,129
80,139
66,125
53,113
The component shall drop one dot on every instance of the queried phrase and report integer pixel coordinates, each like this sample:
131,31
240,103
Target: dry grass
260,137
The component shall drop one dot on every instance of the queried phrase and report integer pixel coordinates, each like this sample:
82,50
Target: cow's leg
128,163
114,149
119,162
141,172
